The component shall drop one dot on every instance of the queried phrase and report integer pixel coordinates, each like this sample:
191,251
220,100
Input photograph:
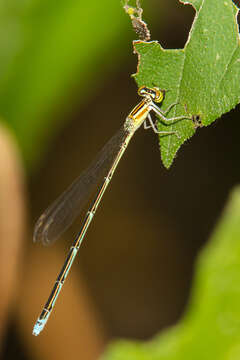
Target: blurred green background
65,89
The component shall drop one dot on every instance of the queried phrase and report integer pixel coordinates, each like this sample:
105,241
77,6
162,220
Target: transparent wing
64,210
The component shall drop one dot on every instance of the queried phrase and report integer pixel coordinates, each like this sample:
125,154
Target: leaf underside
203,78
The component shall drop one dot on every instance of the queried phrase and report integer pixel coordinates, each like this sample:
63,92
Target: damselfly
59,216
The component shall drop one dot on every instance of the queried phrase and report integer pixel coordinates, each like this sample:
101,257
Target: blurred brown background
133,275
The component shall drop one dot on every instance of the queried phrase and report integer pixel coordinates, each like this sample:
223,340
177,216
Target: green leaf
203,78
211,327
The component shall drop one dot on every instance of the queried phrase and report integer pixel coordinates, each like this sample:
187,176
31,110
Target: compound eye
155,93
142,91
159,95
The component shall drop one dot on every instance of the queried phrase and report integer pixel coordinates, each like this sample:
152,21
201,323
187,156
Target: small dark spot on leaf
197,121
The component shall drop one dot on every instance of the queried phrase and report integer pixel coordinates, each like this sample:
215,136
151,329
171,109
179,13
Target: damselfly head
155,93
